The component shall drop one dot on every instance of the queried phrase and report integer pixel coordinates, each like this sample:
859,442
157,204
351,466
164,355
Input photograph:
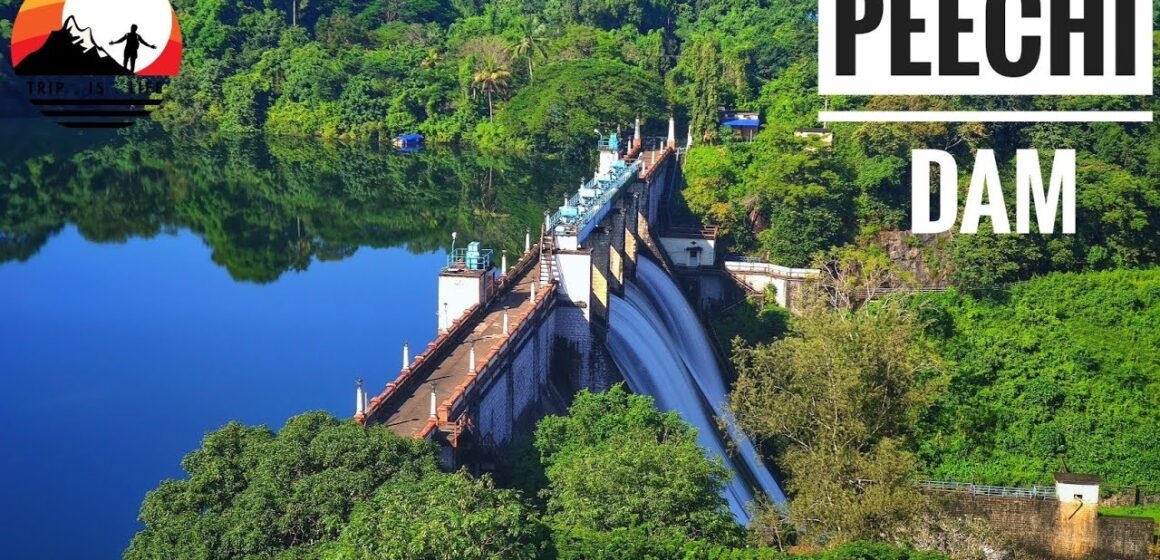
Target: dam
591,302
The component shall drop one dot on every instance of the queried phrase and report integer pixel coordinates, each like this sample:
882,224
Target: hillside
1064,368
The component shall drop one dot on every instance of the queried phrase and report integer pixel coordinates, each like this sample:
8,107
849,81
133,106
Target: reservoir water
153,288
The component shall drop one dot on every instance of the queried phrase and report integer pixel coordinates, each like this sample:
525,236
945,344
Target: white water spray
659,345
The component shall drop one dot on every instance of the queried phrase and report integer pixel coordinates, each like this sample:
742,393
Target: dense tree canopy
452,517
359,68
839,398
572,99
616,463
1063,370
623,480
253,494
861,185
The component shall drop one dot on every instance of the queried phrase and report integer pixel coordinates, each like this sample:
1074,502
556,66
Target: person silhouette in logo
132,40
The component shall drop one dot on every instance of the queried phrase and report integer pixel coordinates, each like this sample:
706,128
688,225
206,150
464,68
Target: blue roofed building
744,124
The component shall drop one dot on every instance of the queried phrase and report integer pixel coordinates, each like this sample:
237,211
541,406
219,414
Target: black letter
949,28
849,26
1125,38
997,40
902,26
1092,28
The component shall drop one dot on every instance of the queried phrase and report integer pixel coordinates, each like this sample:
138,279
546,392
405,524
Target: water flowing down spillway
659,345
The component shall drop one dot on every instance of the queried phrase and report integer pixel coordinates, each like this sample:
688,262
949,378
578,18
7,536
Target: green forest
1064,369
505,73
1002,387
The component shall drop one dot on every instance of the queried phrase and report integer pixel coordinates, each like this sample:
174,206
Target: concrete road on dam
413,408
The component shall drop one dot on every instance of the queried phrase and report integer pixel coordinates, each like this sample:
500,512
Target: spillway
658,343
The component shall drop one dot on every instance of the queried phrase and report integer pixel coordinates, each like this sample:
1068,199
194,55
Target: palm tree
530,44
432,59
491,79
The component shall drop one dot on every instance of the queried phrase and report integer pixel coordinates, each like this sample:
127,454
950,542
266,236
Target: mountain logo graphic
76,54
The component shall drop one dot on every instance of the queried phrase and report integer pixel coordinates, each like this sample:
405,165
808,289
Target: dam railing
753,264
421,366
1042,492
585,208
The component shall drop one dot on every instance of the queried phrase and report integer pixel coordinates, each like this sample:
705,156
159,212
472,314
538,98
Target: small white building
691,247
824,134
1080,488
466,281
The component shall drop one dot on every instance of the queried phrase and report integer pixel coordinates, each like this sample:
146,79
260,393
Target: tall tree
530,44
697,82
491,79
839,397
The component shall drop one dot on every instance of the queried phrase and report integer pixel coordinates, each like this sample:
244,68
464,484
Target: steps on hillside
547,247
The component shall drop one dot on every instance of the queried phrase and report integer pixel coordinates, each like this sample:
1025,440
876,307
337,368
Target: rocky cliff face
925,258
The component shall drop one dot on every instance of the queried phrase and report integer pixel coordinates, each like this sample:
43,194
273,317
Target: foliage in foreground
616,463
452,516
323,487
623,480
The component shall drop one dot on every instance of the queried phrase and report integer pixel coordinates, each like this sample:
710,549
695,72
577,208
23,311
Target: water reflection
265,206
120,347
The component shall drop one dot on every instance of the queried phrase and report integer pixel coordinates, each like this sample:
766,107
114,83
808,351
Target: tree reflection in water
266,206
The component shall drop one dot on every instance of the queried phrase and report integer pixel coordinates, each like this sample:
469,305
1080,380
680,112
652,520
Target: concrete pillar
505,320
533,297
689,144
503,263
434,402
636,139
359,400
471,359
672,140
547,219
527,239
406,355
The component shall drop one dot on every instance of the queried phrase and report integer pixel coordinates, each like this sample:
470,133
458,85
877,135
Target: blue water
115,359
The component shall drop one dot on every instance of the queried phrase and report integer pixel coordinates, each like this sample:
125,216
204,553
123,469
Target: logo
95,63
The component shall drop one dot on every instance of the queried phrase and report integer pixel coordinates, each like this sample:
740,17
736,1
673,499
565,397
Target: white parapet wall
759,276
575,273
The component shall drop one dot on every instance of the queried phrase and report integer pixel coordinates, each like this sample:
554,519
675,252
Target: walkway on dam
409,412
